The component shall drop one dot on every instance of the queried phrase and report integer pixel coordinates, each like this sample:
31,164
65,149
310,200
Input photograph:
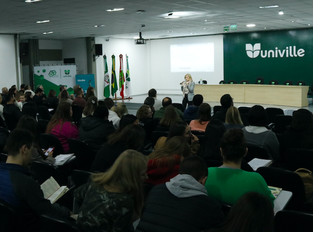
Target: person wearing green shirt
228,182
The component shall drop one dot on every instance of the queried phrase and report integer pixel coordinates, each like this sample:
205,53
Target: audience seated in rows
144,115
149,101
233,119
226,102
157,103
120,109
113,117
79,99
64,97
258,135
114,199
229,182
126,120
38,97
131,137
61,125
90,93
203,118
191,112
164,162
52,100
11,111
18,189
169,118
91,105
166,102
95,129
182,203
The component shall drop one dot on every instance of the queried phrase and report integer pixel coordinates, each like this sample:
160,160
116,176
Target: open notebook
52,190
63,158
256,163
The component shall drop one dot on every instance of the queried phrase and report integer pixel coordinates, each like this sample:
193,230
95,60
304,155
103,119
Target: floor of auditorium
137,101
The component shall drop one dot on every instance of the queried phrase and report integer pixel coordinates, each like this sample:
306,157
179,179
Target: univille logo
67,72
289,51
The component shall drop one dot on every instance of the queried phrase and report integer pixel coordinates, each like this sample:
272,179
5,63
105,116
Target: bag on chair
307,178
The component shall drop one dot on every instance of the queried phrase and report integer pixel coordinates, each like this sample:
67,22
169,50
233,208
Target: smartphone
50,149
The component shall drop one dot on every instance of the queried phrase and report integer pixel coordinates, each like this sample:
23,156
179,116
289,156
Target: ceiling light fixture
267,7
309,24
31,1
49,32
115,9
99,25
281,12
43,21
250,25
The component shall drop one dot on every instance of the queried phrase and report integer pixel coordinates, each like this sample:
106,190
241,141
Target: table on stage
284,95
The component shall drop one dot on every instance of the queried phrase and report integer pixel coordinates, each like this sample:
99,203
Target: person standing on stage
187,87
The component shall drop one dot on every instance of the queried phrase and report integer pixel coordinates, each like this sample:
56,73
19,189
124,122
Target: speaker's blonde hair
188,75
233,116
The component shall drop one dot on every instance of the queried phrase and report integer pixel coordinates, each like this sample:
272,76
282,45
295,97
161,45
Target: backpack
307,178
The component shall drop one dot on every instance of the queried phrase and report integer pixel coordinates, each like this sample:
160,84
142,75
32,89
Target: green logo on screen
52,73
67,72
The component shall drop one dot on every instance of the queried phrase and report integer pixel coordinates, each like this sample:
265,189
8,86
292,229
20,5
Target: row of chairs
260,80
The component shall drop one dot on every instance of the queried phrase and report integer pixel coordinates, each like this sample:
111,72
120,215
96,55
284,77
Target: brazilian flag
113,78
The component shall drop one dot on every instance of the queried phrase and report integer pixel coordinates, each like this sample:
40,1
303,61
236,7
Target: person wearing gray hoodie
182,203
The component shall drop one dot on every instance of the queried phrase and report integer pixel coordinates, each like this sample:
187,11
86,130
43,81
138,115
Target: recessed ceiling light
266,7
205,20
30,1
99,25
204,28
115,9
49,32
309,24
250,25
264,27
43,21
292,21
281,12
169,31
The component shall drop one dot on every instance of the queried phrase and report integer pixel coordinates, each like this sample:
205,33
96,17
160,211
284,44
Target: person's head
101,112
75,88
64,95
196,167
91,105
41,87
233,146
233,116
38,91
226,101
52,93
12,90
63,113
152,93
257,116
120,109
126,175
204,113
197,100
149,101
28,87
180,128
62,87
28,95
22,87
253,212
19,146
132,135
166,101
170,116
5,90
108,102
79,92
188,77
144,112
175,146
90,92
10,98
302,119
28,122
126,120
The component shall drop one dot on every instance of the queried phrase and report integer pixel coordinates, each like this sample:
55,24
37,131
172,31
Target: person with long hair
144,115
187,87
113,199
169,119
253,212
61,126
90,93
52,100
29,123
164,162
131,137
120,109
64,97
91,105
203,119
233,118
229,182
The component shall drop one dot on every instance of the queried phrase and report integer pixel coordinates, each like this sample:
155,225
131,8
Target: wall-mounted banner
51,77
85,81
274,55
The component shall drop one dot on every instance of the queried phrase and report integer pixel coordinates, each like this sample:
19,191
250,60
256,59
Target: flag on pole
106,90
113,78
127,84
121,77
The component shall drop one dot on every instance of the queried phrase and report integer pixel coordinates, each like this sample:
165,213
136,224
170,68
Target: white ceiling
76,18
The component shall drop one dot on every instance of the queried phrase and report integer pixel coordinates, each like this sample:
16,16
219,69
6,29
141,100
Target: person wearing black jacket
95,129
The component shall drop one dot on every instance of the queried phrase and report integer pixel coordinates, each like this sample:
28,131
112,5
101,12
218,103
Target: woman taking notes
187,87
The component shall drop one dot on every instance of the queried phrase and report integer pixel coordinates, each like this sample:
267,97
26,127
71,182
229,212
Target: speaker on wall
69,60
98,49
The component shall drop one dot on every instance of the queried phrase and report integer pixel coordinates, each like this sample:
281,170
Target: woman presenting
187,87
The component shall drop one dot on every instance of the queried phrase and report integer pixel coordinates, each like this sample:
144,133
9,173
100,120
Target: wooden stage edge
283,95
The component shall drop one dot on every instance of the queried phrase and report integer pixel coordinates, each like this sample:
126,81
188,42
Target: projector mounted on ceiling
140,40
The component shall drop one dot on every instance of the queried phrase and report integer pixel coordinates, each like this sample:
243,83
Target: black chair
281,122
298,158
10,121
200,135
259,80
301,83
286,180
179,106
244,82
232,82
292,221
288,82
10,219
271,113
3,157
42,124
273,82
48,140
52,224
43,113
244,110
77,113
83,152
156,135
216,109
256,152
2,123
222,82
80,177
204,82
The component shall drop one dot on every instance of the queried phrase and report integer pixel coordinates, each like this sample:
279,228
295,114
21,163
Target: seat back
271,113
281,122
256,152
83,152
80,177
301,83
222,82
156,135
10,121
52,224
77,113
286,180
216,109
10,220
298,158
42,124
43,113
179,106
291,221
49,140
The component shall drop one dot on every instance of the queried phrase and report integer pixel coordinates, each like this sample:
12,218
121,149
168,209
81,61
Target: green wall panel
239,66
